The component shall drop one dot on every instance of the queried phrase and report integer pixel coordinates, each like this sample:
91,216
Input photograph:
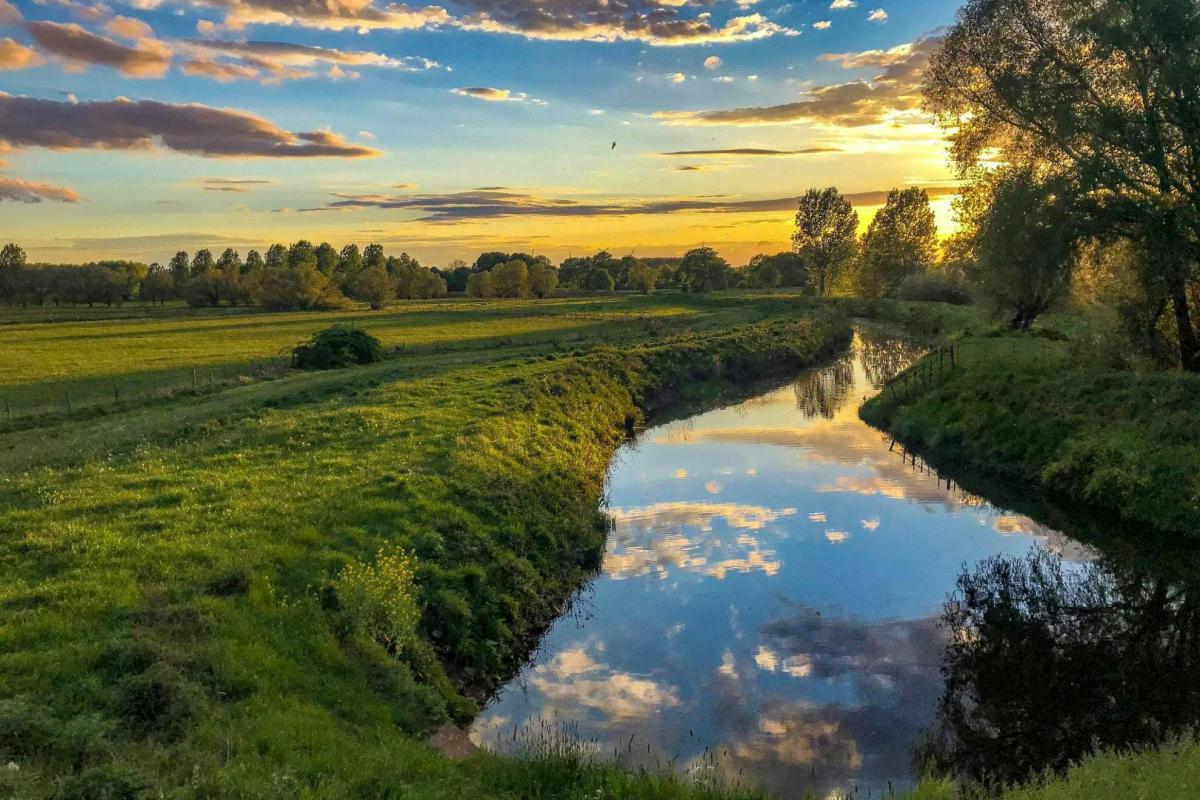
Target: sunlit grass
168,574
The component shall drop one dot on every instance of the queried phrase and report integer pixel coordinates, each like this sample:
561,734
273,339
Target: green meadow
87,352
174,623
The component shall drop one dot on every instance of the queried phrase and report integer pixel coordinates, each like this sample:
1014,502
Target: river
772,609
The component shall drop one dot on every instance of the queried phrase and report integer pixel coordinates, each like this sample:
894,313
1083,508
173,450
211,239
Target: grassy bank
1048,410
1052,412
170,617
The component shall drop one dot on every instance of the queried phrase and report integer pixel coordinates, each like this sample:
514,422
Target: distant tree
349,265
372,256
900,241
373,286
642,277
543,279
477,284
599,279
456,274
790,267
36,284
230,261
158,286
402,261
12,262
205,289
1025,236
702,270
486,261
414,282
826,227
296,289
277,257
327,259
302,255
180,268
763,274
202,262
510,279
254,263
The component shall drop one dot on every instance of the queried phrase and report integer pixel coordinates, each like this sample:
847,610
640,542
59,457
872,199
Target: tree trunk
1189,347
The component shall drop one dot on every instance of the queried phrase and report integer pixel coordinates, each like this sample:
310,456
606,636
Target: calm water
771,593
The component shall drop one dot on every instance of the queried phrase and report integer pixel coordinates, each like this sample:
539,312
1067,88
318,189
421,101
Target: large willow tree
1107,89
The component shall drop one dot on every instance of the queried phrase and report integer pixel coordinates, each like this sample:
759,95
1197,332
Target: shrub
933,287
159,702
380,598
337,346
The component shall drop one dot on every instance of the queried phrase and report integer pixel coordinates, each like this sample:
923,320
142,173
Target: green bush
380,598
933,287
337,346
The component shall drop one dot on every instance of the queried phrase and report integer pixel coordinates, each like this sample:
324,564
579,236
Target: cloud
895,91
29,192
878,15
712,62
753,151
494,95
676,77
124,124
238,185
272,62
9,15
872,58
498,202
676,536
823,25
14,55
838,5
492,203
360,15
145,58
654,22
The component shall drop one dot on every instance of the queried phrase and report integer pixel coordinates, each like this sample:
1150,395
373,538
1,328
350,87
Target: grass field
104,356
170,617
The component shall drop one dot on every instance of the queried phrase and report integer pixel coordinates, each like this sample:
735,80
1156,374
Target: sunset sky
133,129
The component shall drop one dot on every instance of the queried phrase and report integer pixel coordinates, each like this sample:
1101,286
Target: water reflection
771,592
1047,660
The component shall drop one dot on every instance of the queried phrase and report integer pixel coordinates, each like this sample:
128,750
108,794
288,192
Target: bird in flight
614,147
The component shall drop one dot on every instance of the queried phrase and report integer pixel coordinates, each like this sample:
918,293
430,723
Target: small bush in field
380,598
933,287
337,346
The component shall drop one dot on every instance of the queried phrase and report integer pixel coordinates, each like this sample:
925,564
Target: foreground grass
1169,772
167,626
1045,410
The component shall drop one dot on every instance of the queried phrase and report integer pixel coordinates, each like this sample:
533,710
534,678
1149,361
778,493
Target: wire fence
99,394
947,359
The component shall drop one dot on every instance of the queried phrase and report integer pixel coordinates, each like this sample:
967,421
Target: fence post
70,407
7,409
116,394
195,385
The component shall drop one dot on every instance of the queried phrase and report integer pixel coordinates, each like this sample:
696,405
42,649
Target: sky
134,128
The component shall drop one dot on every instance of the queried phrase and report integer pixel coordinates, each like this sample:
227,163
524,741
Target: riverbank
1045,410
172,620
1073,422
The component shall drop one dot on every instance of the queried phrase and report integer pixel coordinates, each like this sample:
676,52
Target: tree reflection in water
822,392
1048,661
